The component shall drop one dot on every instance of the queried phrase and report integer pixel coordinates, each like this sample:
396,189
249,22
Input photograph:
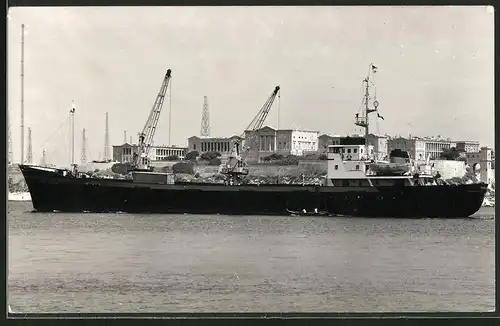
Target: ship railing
360,121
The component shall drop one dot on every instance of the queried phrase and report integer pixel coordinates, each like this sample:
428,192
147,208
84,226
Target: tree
451,154
208,156
183,167
272,157
288,160
191,156
121,168
214,161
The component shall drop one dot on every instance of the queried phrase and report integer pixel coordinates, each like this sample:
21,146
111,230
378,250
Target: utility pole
22,94
106,140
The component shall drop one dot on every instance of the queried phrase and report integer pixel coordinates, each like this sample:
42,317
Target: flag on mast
374,69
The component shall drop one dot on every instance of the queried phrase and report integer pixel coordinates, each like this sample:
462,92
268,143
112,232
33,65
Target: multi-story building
379,143
434,147
380,146
284,141
325,140
421,148
203,144
125,153
483,163
468,146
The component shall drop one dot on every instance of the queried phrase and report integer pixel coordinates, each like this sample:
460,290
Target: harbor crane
141,159
236,165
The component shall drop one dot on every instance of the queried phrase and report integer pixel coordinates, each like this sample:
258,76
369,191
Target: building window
357,167
336,167
355,150
348,150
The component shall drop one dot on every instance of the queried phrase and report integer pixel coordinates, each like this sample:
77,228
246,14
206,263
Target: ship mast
72,116
364,120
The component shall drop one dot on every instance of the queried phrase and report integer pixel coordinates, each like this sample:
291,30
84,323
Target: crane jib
239,167
147,135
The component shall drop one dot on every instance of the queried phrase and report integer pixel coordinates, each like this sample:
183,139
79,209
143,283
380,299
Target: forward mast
364,120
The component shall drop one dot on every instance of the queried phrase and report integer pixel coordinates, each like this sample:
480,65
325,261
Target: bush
171,158
311,157
166,169
208,156
214,161
121,168
323,157
191,156
272,157
288,160
451,154
183,167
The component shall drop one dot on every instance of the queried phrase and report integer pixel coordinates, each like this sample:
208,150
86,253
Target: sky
435,71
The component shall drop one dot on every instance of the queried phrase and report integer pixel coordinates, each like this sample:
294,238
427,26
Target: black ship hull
52,191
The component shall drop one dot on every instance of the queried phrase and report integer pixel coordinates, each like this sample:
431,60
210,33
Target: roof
472,142
215,138
330,136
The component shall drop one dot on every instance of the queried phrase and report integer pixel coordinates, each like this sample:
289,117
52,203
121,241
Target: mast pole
72,112
22,94
367,112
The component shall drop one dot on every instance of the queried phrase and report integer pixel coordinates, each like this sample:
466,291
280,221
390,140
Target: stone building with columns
269,140
125,152
203,144
421,148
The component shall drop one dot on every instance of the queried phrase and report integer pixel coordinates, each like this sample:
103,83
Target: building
203,144
125,153
482,163
421,148
468,146
380,146
379,143
284,141
325,140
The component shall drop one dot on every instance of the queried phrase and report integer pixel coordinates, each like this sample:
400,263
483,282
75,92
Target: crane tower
205,119
43,161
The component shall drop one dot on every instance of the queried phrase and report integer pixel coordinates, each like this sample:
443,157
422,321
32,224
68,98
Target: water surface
169,263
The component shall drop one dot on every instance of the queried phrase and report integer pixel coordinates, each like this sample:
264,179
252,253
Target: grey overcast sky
435,76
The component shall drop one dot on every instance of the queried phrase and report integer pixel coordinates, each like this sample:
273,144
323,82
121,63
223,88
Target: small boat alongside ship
306,213
356,185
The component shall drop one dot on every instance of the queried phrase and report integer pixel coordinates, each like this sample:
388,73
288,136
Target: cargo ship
351,188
